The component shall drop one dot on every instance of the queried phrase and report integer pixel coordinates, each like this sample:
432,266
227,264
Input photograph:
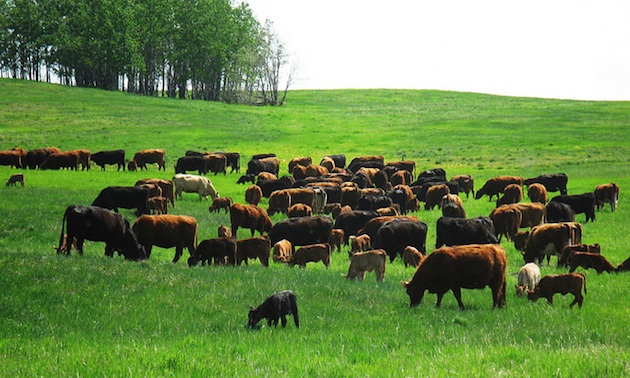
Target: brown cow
302,195
262,176
220,203
466,184
253,194
327,163
299,210
607,193
496,185
249,216
60,160
472,266
15,179
303,161
253,248
279,202
411,256
402,177
282,251
548,239
512,193
84,158
12,158
372,226
311,253
571,248
533,214
224,232
313,170
216,163
222,250
158,205
434,196
369,261
336,238
359,243
167,186
537,193
560,283
152,156
589,260
350,196
167,231
506,220
451,198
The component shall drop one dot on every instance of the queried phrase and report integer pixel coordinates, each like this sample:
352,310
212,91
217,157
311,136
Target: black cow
339,159
557,212
270,186
127,197
458,231
399,197
396,234
552,182
98,224
191,163
580,203
302,230
269,164
102,158
374,202
233,160
275,307
353,221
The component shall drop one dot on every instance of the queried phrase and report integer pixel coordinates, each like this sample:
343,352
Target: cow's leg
79,245
457,292
148,248
550,298
284,321
179,250
440,295
109,251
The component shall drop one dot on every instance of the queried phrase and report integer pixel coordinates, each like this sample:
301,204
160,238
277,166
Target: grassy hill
92,315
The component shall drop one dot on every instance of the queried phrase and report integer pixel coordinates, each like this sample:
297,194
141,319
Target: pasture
96,316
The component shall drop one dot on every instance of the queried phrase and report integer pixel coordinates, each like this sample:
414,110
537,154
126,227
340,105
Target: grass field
96,316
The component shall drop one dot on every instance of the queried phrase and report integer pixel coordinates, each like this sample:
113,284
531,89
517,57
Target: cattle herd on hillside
365,204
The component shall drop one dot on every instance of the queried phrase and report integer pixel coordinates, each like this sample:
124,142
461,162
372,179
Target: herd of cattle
364,205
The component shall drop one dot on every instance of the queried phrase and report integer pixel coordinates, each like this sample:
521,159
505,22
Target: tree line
198,49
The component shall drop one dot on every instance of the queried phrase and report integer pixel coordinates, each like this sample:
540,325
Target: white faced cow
194,184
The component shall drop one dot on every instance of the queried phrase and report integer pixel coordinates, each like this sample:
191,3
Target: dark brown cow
253,248
472,266
336,238
279,202
152,156
402,177
220,203
560,283
548,239
434,196
507,220
369,261
12,158
624,266
366,162
303,161
350,196
466,184
313,170
34,158
372,226
299,210
512,193
496,185
607,193
222,250
60,160
249,216
167,186
553,182
411,256
167,231
158,205
580,203
537,193
311,253
253,194
216,163
589,260
15,179
572,248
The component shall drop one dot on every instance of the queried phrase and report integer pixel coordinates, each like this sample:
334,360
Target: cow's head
520,240
415,294
533,295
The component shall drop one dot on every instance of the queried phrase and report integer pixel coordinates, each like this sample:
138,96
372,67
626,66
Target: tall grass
92,315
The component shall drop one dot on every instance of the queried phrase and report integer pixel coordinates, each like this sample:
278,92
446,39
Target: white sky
539,48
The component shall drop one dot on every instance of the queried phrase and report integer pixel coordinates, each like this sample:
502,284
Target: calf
158,205
220,203
506,220
253,248
15,179
411,256
572,248
607,193
512,193
359,243
336,239
311,253
221,250
253,195
528,278
275,307
369,261
282,251
589,260
560,283
299,210
537,193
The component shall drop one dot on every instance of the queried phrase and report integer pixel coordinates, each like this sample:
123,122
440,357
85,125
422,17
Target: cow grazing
153,156
336,239
61,160
560,283
572,248
249,216
282,251
559,212
588,260
552,182
533,214
311,253
299,210
359,243
98,224
607,193
624,266
506,221
580,203
537,193
220,250
158,205
434,196
275,307
496,185
127,197
253,194
114,157
396,234
167,231
528,278
466,184
257,247
547,240
194,184
17,178
473,266
216,163
166,186
34,158
246,178
191,163
512,193
220,203
369,261
411,256
457,231
302,230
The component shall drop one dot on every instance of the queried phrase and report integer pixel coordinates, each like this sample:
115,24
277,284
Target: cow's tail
584,277
63,233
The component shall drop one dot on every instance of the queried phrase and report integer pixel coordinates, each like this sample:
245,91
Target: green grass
95,316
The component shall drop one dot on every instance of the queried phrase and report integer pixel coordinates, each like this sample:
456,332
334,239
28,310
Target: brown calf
282,251
253,248
336,238
369,261
411,256
16,178
220,203
589,260
560,283
311,253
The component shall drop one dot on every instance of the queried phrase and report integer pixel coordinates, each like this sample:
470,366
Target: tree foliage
199,49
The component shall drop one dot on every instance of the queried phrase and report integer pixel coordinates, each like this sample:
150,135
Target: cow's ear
404,283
